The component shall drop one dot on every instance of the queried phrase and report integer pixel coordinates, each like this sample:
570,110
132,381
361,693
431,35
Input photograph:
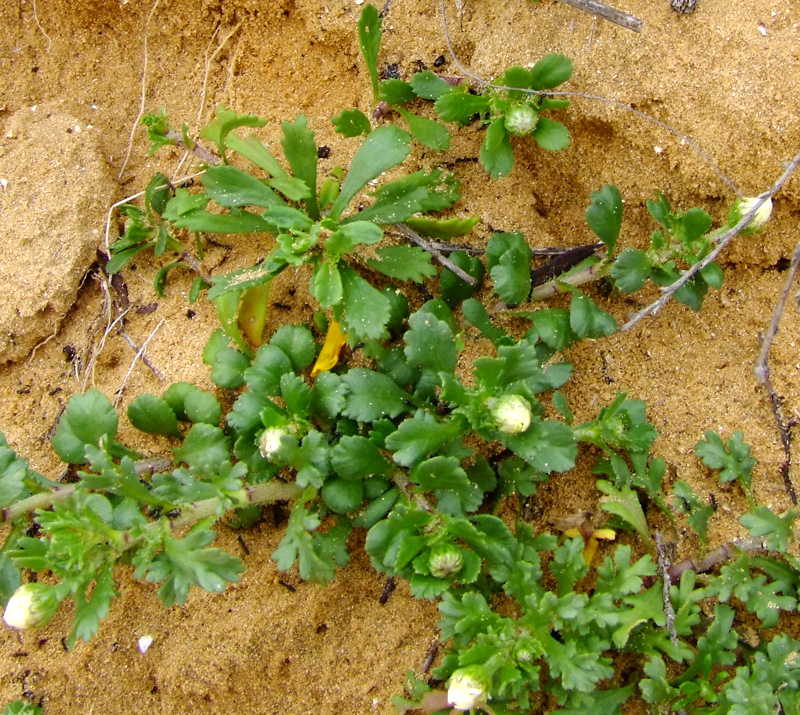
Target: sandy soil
73,78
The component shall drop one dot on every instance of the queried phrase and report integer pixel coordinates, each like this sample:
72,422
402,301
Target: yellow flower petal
335,340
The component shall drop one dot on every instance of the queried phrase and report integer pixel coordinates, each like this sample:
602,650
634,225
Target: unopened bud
521,120
445,560
270,440
31,605
511,414
469,688
745,205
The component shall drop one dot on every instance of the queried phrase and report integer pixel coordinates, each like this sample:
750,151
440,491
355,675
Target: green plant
511,106
310,223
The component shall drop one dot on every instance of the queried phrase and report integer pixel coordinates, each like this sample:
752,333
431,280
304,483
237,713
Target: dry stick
139,354
41,29
144,91
209,60
762,373
430,248
663,571
596,98
629,22
722,242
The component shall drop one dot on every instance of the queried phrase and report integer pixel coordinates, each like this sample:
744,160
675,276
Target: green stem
256,494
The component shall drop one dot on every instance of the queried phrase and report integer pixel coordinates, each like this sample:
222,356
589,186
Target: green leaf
296,394
732,458
87,419
238,221
349,235
383,149
231,187
352,123
420,436
455,493
153,415
201,406
475,312
186,562
604,215
157,193
405,263
227,365
251,148
366,309
326,284
455,290
298,545
225,121
553,326
496,155
625,504
551,135
426,131
631,270
427,85
88,613
430,343
204,449
549,446
458,105
508,258
587,319
297,343
300,150
269,365
369,39
372,395
395,91
763,523
356,457
550,71
400,199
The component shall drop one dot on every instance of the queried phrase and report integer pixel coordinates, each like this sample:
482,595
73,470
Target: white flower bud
744,205
445,560
31,605
270,440
511,414
521,120
468,688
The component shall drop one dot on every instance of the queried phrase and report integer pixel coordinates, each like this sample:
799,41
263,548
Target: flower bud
744,205
511,414
270,440
469,688
31,605
521,120
445,560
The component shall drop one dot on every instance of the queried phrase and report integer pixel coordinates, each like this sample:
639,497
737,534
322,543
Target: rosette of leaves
513,111
510,106
312,224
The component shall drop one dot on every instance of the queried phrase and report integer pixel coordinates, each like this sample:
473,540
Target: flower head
445,560
270,440
521,120
469,688
511,413
745,205
31,605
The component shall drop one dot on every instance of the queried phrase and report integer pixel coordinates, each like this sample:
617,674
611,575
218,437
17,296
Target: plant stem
256,494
